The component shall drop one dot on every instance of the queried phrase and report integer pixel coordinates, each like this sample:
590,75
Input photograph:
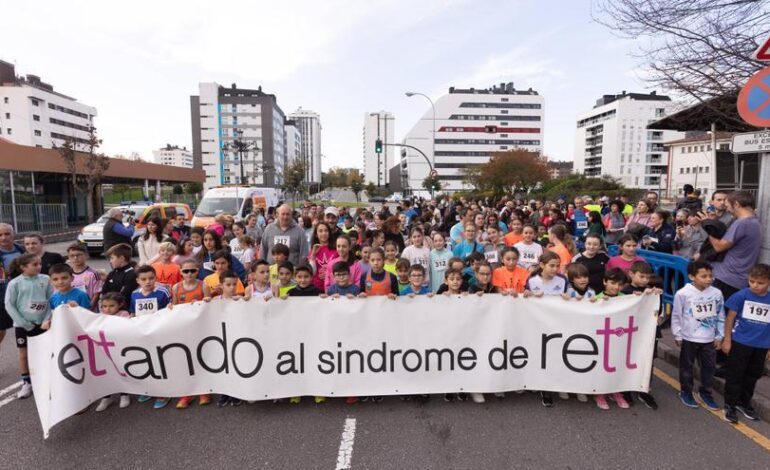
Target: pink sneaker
601,402
618,398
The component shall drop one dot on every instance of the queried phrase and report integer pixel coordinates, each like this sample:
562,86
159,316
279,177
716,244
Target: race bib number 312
756,311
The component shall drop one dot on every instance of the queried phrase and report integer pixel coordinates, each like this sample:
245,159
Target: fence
34,217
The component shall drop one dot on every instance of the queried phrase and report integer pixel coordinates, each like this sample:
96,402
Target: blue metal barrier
671,269
613,250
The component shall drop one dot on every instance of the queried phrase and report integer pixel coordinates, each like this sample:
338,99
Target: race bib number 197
756,311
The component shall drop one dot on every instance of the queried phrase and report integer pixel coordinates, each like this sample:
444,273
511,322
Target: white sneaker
477,397
582,397
25,391
125,400
519,391
104,403
500,394
564,395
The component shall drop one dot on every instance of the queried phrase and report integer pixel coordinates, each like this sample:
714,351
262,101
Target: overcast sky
138,62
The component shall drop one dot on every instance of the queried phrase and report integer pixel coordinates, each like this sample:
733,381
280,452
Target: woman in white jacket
148,244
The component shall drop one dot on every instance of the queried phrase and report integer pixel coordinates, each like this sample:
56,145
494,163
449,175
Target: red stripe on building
499,130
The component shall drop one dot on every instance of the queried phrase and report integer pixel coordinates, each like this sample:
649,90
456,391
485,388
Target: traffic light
378,146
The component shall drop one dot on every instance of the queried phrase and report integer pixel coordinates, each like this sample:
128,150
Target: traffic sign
751,142
763,52
754,99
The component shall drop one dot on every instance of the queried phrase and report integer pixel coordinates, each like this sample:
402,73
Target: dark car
377,199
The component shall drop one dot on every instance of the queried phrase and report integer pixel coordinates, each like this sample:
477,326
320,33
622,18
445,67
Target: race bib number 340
756,311
146,306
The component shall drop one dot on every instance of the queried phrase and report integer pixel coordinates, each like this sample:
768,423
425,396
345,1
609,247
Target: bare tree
695,49
85,166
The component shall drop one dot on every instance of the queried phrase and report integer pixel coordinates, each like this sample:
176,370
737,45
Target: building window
35,102
724,146
707,169
504,100
708,147
5,100
681,171
8,115
38,133
636,181
681,150
9,131
688,170
35,117
503,111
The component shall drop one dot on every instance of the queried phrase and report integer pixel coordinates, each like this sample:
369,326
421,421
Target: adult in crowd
717,208
148,244
594,258
114,232
652,198
660,235
392,231
286,231
615,222
456,233
180,230
640,219
332,219
9,251
253,229
689,234
691,201
741,245
34,243
212,243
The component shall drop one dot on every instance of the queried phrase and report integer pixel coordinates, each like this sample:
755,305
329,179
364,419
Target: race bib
208,265
528,256
38,306
281,240
146,306
582,224
756,311
702,309
440,265
491,256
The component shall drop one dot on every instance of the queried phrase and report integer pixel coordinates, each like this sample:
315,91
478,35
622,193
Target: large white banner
261,350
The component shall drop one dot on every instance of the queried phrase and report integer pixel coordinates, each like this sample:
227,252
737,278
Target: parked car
377,199
92,235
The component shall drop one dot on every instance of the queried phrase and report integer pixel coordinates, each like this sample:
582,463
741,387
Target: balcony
655,148
654,159
653,180
594,141
593,172
656,169
594,152
593,162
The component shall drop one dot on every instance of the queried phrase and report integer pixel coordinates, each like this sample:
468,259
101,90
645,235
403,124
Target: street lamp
242,148
410,94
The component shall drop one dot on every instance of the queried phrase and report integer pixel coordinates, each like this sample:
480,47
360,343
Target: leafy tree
177,189
370,189
85,165
193,187
507,172
357,185
432,184
294,178
574,185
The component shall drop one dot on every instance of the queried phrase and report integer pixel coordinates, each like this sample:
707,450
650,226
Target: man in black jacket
35,244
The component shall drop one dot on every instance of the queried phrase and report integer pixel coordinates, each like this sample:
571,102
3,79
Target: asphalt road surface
516,432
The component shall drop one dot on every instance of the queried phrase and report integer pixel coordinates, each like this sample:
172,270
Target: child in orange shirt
166,271
510,278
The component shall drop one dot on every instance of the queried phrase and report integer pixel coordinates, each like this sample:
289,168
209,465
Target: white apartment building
309,125
693,161
379,125
173,155
292,140
32,113
224,117
612,139
471,125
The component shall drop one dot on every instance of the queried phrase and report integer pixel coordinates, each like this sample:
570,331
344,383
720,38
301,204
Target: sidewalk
667,351
68,234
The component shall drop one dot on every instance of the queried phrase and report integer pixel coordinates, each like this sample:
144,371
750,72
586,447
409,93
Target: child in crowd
628,244
260,282
166,270
344,249
494,246
469,243
483,284
453,281
546,280
458,265
196,237
184,250
516,233
364,261
746,342
342,285
416,282
391,256
112,303
304,283
402,272
280,254
190,288
378,281
229,282
61,277
614,280
510,278
439,261
221,261
26,301
578,276
697,323
247,253
378,239
285,283
418,252
529,250
122,278
84,277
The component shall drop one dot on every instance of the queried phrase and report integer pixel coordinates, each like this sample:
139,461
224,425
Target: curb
670,355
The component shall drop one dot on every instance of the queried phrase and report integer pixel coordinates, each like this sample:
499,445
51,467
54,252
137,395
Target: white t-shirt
528,254
419,256
556,286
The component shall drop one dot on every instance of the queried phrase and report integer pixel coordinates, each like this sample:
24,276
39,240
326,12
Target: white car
395,197
92,235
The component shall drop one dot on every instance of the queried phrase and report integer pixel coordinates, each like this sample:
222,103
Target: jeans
745,365
706,356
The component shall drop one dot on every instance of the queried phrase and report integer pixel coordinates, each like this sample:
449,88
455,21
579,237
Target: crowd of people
505,246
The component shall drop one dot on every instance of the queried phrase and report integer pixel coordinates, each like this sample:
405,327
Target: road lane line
755,436
345,454
10,388
7,400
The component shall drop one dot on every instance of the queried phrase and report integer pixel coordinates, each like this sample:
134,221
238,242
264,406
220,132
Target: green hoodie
26,300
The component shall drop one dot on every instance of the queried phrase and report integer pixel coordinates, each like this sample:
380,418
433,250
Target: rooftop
501,89
653,96
702,137
721,111
8,77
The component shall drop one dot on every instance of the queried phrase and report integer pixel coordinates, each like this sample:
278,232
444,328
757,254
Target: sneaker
104,403
688,400
582,397
25,391
295,400
629,397
709,402
748,411
351,400
224,400
125,400
422,398
564,395
546,399
204,400
648,400
377,399
251,402
477,397
363,399
161,403
731,414
183,403
519,391
620,400
462,396
143,398
319,400
449,397
601,402
236,402
500,395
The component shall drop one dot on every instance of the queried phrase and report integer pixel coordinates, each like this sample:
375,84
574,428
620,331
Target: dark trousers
745,365
706,356
727,291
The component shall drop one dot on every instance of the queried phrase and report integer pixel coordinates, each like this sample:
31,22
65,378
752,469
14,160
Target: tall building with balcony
292,140
309,125
470,126
612,139
379,125
173,155
33,114
220,117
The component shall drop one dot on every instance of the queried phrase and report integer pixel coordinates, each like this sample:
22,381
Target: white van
237,201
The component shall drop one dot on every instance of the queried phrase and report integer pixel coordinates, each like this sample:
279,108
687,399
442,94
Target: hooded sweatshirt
293,237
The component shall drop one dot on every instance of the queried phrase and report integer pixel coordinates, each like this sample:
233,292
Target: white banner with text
260,350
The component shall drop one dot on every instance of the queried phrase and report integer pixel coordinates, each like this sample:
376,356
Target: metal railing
671,269
34,217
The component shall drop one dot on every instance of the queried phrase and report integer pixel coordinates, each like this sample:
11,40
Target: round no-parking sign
754,99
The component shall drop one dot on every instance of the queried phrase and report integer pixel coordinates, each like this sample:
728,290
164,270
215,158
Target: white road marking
7,400
10,388
345,454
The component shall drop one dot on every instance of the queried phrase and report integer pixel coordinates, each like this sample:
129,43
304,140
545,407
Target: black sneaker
224,400
363,399
648,400
629,397
422,398
449,397
236,402
748,411
547,399
462,396
731,415
377,399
